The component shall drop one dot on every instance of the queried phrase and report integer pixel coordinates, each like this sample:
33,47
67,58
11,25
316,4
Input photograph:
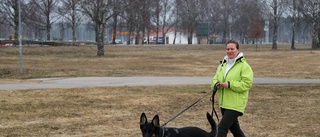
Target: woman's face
232,50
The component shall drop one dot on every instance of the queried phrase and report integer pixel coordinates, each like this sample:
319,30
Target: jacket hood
226,58
239,56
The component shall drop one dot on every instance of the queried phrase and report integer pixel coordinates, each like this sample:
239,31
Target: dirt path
134,81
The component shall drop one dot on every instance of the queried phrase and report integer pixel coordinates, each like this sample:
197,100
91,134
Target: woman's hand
224,85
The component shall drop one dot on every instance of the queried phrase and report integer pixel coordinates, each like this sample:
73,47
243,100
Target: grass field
120,61
272,111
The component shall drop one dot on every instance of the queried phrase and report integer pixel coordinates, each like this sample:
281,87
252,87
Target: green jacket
239,77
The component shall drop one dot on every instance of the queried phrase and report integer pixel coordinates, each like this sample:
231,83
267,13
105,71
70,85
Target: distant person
233,79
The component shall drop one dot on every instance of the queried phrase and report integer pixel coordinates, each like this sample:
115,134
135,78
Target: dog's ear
156,121
143,119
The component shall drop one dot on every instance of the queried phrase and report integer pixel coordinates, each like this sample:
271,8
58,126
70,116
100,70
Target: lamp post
20,39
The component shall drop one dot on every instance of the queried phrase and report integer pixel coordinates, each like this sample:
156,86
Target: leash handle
185,109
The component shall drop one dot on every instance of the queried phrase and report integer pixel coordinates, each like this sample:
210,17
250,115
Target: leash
182,111
214,91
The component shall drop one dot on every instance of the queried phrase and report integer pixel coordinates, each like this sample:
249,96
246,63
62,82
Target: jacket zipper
224,80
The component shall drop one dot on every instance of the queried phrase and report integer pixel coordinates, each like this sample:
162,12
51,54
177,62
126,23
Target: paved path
136,81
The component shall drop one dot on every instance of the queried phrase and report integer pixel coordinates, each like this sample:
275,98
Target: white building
181,38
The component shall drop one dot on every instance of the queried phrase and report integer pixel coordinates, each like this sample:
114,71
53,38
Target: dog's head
149,129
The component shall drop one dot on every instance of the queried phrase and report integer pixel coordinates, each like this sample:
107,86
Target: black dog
153,129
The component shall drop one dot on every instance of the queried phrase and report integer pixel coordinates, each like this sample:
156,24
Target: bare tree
134,13
62,26
256,29
276,16
130,17
311,12
145,14
10,12
115,21
99,12
156,15
70,10
188,11
3,26
33,19
216,19
117,9
247,24
2,14
293,21
177,21
138,16
277,8
167,19
47,10
227,9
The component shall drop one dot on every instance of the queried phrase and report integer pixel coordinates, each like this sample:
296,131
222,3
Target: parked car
117,41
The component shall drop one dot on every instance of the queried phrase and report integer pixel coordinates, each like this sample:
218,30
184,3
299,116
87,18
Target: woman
233,78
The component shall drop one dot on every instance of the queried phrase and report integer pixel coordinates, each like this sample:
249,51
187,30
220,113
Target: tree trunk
16,21
114,28
163,29
315,33
143,32
137,37
157,20
190,35
48,27
293,35
275,25
100,39
275,35
315,41
148,36
164,36
129,34
318,44
48,32
62,29
174,38
157,31
74,38
293,24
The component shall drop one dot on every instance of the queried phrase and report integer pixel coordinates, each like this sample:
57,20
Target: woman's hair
234,42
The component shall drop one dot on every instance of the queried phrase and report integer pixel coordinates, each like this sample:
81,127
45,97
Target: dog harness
165,132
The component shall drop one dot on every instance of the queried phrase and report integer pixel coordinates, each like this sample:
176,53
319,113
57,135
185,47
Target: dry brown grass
39,62
273,111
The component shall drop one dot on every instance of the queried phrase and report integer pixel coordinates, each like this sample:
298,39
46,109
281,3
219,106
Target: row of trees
237,19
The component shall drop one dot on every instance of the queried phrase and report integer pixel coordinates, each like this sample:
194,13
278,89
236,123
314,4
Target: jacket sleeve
245,82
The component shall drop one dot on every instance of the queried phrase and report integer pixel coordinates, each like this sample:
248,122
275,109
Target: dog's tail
214,127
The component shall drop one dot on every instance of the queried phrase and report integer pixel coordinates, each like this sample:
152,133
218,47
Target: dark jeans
230,122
